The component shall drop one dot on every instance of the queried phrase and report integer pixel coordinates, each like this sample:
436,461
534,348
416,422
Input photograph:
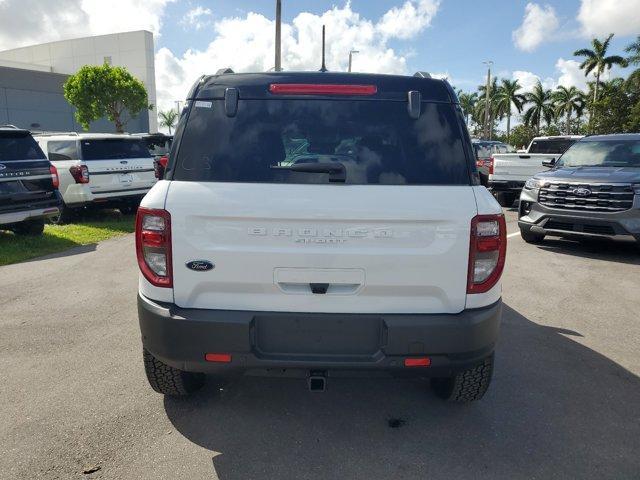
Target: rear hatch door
117,164
25,177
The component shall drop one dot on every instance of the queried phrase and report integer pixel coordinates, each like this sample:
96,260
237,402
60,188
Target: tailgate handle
319,288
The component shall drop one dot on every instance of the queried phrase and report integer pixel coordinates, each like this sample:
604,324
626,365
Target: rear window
113,148
556,145
376,141
158,146
19,146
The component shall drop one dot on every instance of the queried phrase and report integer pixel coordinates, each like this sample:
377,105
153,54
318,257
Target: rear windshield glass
158,146
610,153
376,141
108,148
19,146
485,150
559,145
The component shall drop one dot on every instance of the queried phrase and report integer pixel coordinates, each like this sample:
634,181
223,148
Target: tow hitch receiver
317,380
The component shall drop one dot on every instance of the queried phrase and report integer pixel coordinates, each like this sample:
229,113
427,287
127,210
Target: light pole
488,63
351,52
178,106
278,65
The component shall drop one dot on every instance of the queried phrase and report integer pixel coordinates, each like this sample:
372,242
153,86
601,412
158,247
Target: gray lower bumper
551,221
274,340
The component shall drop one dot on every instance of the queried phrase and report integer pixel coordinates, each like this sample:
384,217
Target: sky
526,40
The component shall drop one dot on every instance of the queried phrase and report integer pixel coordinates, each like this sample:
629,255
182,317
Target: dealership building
31,80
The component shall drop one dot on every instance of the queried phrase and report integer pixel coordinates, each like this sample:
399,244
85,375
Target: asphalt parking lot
564,403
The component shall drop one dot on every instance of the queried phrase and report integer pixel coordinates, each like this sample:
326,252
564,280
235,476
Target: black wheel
531,237
29,227
466,386
505,199
168,380
128,209
65,216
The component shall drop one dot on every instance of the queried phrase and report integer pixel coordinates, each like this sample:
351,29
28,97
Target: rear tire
467,385
505,199
531,237
168,380
65,216
128,209
29,227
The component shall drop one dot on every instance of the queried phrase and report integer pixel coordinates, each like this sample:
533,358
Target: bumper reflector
218,357
417,362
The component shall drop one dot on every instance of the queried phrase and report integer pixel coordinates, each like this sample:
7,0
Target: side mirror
549,163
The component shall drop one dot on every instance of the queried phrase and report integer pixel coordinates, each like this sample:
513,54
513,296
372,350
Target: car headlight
533,184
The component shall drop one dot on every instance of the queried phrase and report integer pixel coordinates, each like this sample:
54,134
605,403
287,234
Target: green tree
168,119
99,91
521,135
567,101
634,58
467,103
614,108
507,96
541,107
597,61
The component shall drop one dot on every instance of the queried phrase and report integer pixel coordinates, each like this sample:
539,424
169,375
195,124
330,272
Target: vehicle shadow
556,409
609,250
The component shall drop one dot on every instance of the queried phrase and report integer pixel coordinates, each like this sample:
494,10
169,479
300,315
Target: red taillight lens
490,165
218,357
153,246
80,173
417,362
159,166
487,252
55,179
321,89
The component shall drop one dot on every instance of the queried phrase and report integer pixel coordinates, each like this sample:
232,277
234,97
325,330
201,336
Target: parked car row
50,176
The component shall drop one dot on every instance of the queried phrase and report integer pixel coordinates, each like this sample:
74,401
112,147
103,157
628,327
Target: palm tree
467,103
596,61
634,58
541,107
506,96
168,119
567,101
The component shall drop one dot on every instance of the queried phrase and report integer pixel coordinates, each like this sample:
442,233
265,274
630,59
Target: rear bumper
80,195
261,342
561,222
506,185
42,210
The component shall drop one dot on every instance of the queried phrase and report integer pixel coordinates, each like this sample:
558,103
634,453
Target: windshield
19,146
556,145
376,141
606,153
114,148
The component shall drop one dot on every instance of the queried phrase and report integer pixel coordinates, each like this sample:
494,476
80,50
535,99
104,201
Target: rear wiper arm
337,172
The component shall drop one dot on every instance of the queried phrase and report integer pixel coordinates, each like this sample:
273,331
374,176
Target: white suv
320,223
99,169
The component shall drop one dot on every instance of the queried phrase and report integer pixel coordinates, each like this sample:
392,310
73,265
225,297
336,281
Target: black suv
28,183
593,190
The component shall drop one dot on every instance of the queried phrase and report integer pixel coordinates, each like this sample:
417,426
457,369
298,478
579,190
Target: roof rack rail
8,125
421,74
224,71
45,133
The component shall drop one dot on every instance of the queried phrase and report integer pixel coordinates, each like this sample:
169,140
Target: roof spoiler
224,71
421,74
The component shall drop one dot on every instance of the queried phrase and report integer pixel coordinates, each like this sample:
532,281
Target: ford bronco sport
318,224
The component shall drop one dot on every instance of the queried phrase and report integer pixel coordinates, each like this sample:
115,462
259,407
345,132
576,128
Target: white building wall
133,50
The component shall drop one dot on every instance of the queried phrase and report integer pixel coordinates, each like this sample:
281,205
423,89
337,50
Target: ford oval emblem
123,162
582,192
200,265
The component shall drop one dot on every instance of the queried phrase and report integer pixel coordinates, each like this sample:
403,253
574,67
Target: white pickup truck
509,171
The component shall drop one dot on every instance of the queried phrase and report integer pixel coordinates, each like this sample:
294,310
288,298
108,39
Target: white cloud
408,20
538,25
571,74
26,22
197,18
602,17
528,80
246,43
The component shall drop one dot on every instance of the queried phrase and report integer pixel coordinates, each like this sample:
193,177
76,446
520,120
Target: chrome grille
589,197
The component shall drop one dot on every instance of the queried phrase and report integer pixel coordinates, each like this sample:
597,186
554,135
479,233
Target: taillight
153,246
487,252
489,164
80,173
159,166
321,89
55,179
